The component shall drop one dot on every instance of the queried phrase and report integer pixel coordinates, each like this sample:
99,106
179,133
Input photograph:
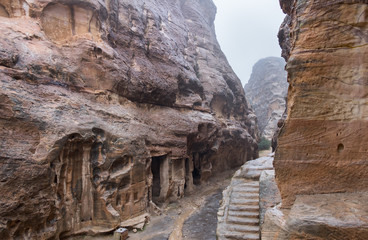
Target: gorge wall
107,106
266,91
321,160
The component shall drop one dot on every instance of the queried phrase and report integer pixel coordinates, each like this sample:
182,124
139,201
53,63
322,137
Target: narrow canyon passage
127,114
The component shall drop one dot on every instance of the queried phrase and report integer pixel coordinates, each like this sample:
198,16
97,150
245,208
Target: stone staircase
238,215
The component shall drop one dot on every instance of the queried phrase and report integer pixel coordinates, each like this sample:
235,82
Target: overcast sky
247,31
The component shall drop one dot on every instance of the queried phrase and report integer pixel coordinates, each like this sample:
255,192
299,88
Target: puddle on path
202,225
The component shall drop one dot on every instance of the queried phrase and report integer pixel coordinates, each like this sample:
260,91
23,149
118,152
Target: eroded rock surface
329,216
269,195
322,216
322,147
108,106
321,159
266,91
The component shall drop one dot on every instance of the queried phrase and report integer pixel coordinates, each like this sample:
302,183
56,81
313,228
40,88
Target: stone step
243,213
240,217
245,182
244,208
259,169
245,195
243,220
246,189
239,236
252,184
243,228
244,192
244,201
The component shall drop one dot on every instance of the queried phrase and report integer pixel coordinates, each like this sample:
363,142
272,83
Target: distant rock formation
266,91
107,107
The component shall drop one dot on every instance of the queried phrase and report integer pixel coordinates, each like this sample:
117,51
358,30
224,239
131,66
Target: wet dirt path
179,220
202,225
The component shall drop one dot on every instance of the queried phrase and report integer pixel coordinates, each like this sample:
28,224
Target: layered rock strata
322,151
108,107
266,91
322,147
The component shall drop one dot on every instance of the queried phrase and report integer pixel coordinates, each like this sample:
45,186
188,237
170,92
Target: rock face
317,217
321,159
323,145
322,216
107,106
266,92
269,195
280,125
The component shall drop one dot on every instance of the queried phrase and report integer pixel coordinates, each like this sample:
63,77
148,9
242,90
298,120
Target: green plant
264,144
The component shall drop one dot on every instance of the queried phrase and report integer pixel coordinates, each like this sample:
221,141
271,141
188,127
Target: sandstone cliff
107,106
322,151
266,91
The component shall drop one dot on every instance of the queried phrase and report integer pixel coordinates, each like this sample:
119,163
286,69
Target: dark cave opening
196,173
156,168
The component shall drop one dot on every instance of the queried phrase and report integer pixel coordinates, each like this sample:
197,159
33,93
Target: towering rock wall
266,91
321,160
323,146
109,105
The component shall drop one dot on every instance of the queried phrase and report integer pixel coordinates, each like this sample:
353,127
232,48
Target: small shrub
264,144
